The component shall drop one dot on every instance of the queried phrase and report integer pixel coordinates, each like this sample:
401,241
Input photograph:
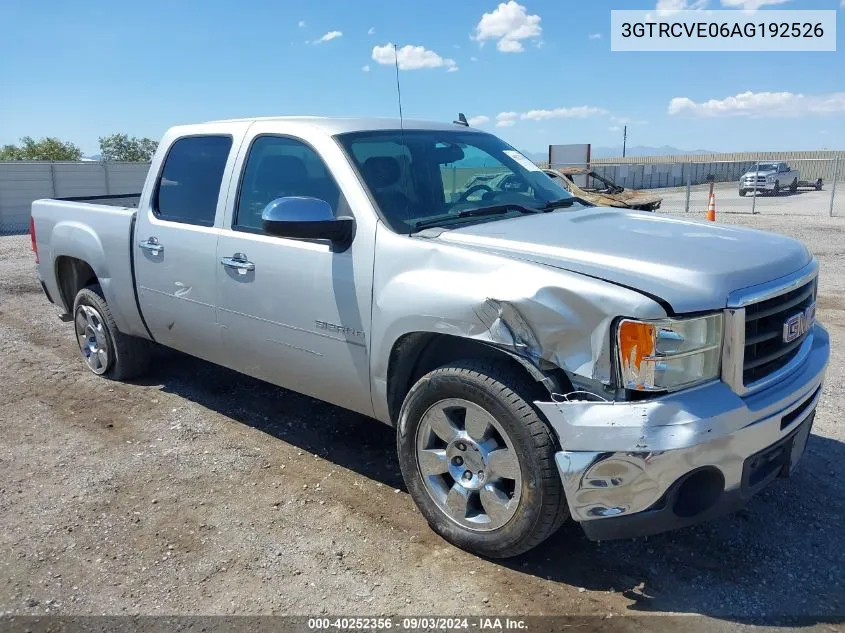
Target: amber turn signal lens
636,341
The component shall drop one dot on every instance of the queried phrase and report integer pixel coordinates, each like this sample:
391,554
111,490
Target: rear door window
190,181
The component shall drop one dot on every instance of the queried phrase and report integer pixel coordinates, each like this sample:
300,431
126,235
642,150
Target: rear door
296,312
175,241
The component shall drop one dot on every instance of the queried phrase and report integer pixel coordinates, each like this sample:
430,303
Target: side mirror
307,218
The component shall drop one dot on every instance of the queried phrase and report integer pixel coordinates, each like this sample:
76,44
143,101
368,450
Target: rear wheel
478,460
819,184
105,349
794,186
742,193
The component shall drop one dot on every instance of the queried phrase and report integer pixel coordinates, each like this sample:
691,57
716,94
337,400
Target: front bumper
760,186
636,468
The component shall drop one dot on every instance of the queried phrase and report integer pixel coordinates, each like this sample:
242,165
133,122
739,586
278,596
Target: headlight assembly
669,354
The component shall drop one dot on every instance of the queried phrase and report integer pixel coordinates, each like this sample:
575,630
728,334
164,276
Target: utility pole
624,140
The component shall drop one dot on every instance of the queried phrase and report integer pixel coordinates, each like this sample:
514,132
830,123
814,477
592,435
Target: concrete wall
21,182
654,172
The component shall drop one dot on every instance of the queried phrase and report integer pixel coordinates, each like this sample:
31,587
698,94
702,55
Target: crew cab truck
771,178
540,357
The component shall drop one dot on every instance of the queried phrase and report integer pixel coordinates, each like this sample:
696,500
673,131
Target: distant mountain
96,157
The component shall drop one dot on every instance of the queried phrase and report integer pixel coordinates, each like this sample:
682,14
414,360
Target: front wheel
106,350
776,190
794,186
742,193
478,459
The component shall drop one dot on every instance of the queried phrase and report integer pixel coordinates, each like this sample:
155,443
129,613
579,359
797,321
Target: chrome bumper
763,186
621,459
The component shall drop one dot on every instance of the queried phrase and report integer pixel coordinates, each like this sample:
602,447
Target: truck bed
97,230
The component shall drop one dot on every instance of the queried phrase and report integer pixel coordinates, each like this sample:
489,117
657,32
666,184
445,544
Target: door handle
151,244
239,262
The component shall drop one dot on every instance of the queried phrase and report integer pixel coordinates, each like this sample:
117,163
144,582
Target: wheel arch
416,353
72,275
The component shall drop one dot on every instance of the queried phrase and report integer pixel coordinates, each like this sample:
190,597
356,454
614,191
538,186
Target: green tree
49,148
127,148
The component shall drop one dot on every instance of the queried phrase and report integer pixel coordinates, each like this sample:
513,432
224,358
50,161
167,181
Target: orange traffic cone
711,208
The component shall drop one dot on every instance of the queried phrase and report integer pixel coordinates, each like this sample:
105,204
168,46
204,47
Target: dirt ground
202,491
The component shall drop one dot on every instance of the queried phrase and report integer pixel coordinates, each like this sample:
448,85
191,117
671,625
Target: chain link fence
806,187
21,182
810,186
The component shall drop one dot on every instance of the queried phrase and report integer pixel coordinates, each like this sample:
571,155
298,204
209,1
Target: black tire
794,186
742,193
776,190
128,356
819,184
506,395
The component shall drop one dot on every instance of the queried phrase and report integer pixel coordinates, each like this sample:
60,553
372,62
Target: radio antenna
404,168
398,89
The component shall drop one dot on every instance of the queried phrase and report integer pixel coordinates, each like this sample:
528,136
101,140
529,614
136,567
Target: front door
175,247
294,312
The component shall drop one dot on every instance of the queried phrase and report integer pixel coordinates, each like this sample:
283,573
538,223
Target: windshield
421,178
765,167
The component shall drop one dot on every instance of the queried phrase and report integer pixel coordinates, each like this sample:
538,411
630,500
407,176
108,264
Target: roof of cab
342,125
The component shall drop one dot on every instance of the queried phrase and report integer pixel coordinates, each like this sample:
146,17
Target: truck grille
765,349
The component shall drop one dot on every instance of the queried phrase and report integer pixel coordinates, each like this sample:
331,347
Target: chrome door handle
151,244
238,261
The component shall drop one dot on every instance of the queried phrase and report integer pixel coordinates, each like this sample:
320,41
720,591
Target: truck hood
691,265
762,172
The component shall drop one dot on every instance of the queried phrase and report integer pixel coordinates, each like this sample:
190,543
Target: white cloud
614,128
594,36
475,59
670,6
509,23
749,5
301,24
366,68
412,57
371,30
328,37
761,105
475,121
622,120
506,119
578,112
509,119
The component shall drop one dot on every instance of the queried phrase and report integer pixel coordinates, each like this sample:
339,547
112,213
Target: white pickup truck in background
770,177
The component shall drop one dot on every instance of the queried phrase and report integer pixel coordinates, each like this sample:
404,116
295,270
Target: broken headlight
669,354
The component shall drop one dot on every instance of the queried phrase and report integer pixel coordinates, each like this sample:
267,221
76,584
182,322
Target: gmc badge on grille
799,324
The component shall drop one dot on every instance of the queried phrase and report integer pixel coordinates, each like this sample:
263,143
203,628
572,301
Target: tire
819,184
105,349
742,193
794,186
523,502
776,190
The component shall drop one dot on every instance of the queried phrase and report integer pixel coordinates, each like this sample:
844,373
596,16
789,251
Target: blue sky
540,71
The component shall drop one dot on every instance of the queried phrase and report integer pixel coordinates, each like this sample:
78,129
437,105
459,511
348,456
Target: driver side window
279,167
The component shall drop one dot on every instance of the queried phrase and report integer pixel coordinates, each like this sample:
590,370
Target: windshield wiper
561,203
497,209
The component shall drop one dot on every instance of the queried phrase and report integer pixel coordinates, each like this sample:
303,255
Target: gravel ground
202,491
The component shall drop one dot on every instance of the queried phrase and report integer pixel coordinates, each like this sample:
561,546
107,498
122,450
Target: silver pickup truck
769,177
541,358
